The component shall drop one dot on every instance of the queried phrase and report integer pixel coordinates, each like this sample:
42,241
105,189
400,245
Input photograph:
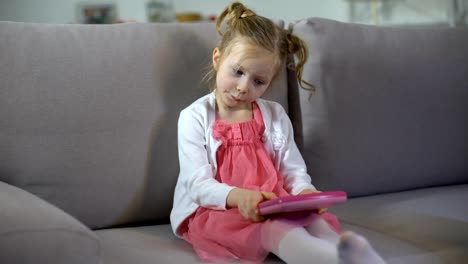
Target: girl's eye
259,82
238,72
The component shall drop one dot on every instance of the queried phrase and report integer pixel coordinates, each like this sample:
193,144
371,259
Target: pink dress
243,161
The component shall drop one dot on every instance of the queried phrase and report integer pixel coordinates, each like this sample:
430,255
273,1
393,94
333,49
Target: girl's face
242,76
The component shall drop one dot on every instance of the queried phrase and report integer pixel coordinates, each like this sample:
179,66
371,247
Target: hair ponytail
297,47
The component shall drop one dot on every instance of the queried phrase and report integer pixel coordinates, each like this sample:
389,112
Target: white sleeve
292,166
196,173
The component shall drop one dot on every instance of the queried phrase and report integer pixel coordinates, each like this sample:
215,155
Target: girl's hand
247,202
307,191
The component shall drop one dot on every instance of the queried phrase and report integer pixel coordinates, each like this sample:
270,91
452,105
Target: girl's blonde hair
243,24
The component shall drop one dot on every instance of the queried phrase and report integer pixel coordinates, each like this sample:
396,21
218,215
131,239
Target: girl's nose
242,87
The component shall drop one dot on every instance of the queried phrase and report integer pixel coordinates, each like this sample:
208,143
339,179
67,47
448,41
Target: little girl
237,150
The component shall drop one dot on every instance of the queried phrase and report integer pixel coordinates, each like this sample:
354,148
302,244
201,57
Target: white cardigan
196,185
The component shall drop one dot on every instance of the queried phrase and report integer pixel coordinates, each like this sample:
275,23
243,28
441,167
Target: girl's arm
297,180
196,172
293,167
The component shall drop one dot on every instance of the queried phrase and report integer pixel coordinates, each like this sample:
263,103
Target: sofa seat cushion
428,225
421,226
148,245
141,245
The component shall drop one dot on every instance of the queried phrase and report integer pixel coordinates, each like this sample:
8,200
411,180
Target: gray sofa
88,156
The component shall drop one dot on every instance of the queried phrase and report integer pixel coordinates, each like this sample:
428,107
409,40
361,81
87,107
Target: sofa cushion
34,231
148,245
390,109
427,225
88,113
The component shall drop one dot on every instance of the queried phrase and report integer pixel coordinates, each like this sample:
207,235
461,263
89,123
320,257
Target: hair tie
247,13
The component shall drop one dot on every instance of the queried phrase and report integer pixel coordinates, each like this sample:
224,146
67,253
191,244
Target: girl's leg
354,249
295,245
320,228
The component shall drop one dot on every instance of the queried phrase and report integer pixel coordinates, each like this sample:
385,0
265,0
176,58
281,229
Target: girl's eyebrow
236,66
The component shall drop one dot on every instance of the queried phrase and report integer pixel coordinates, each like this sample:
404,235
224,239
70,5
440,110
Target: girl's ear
216,58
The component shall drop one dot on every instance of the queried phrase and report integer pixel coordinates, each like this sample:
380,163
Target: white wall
402,11
53,11
63,11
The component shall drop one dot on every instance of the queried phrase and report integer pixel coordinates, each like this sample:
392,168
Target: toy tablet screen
305,202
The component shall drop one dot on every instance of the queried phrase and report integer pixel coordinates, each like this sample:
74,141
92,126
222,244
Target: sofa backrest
390,112
88,113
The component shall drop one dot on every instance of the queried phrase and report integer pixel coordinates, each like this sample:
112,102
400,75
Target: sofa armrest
34,231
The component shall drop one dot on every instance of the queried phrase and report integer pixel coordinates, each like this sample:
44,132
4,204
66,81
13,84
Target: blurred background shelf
378,12
409,12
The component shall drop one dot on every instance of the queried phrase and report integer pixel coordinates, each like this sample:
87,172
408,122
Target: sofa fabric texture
390,104
88,142
92,112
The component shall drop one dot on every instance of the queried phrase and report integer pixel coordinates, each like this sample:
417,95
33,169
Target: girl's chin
236,104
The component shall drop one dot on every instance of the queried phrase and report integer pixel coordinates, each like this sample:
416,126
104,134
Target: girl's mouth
235,98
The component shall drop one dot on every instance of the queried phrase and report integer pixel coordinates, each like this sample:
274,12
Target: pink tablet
305,202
